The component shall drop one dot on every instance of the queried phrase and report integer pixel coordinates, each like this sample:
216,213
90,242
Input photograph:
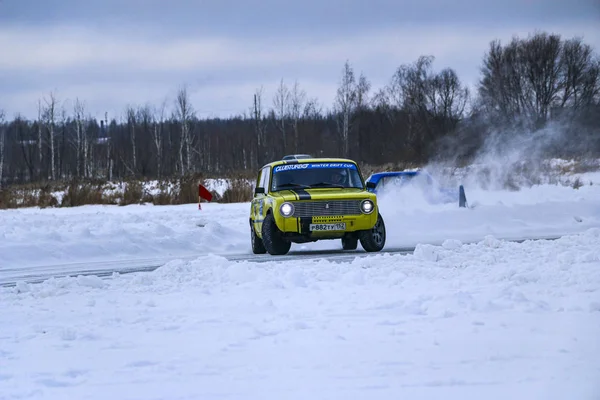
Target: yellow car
301,199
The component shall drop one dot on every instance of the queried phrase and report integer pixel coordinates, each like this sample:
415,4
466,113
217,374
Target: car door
258,202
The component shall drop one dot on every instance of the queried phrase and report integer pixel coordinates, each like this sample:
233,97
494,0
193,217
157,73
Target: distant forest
422,114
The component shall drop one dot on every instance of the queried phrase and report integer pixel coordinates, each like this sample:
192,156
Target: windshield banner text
291,167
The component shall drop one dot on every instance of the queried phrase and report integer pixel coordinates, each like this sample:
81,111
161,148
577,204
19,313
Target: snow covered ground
492,320
487,320
32,237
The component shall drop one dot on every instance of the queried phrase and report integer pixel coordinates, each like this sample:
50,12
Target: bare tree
50,118
281,106
362,92
260,128
419,115
297,103
157,136
580,74
447,96
381,102
184,112
414,84
40,125
540,59
62,142
528,78
313,109
109,148
345,102
132,124
80,142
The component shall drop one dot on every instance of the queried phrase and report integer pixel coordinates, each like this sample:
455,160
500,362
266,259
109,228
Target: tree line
525,86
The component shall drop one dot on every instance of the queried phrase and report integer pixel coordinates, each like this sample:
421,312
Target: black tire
349,243
275,244
374,239
258,246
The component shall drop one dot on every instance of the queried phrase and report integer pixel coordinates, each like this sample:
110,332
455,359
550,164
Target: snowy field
466,316
32,238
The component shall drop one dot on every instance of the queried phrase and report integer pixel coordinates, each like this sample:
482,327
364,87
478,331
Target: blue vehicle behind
381,182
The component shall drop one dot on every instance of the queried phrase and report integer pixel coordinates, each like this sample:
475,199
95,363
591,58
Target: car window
316,175
265,178
259,179
262,180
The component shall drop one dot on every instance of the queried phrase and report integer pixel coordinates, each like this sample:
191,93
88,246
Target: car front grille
326,208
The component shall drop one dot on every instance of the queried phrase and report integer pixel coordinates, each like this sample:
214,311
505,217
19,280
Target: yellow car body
295,201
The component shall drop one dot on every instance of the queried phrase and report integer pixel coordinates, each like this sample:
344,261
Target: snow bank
31,238
539,211
490,320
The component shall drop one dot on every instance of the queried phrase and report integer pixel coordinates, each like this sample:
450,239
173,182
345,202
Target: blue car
380,182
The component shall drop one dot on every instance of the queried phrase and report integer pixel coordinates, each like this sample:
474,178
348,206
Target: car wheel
374,239
272,238
258,246
349,243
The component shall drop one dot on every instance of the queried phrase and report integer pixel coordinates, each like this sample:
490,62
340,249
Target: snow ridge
493,320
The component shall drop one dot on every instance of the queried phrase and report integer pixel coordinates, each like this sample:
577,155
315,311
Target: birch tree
157,135
50,118
184,112
132,124
297,103
362,92
40,127
80,142
109,155
62,143
281,103
260,128
345,102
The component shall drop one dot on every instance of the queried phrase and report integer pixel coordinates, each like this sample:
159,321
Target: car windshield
315,175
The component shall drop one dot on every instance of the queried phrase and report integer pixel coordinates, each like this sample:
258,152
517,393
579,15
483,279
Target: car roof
397,173
378,175
309,160
296,156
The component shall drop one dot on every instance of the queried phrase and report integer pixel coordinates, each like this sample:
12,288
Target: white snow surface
490,320
467,316
31,238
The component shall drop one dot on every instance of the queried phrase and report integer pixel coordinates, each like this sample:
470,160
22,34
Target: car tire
258,247
373,239
349,243
272,239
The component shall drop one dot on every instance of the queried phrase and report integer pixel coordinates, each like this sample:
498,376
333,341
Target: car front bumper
327,226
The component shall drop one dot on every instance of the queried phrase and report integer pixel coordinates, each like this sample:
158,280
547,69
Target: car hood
324,194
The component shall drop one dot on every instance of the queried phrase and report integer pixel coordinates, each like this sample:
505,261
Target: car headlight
367,206
286,209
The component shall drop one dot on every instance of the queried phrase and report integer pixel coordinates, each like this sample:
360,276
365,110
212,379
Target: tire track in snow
37,274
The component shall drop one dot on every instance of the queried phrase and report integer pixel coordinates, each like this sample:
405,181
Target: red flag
203,193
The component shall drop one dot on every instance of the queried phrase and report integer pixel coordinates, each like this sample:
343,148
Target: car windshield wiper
330,184
292,185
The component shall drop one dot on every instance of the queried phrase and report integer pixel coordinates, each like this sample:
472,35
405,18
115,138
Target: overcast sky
111,53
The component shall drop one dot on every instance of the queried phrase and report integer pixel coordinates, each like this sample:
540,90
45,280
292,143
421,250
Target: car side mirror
259,190
371,185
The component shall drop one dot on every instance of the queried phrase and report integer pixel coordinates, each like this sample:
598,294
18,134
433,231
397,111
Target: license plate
339,226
